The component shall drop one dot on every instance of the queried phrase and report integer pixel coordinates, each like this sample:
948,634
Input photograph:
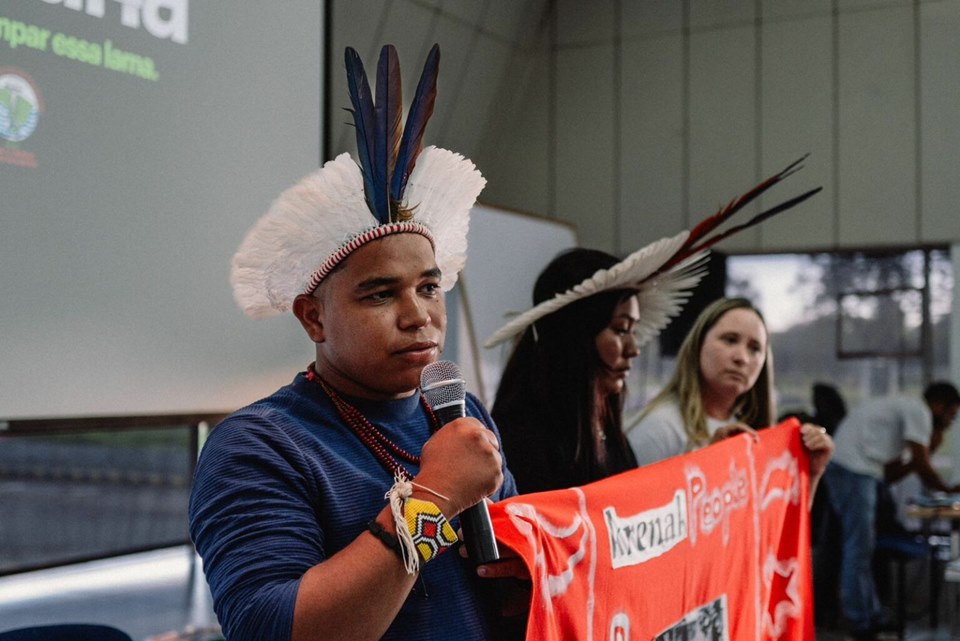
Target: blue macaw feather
387,150
389,112
420,111
363,118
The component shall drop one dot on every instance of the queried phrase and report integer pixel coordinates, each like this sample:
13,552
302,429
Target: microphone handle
475,520
478,534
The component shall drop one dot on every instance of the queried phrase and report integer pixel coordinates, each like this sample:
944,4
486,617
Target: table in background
928,515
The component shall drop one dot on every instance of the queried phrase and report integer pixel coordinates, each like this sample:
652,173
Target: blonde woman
722,386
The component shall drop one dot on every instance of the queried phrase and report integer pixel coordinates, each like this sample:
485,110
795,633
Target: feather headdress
664,272
398,187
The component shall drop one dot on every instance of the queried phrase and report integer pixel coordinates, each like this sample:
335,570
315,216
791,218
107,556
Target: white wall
660,111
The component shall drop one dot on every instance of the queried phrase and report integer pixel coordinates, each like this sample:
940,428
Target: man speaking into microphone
328,509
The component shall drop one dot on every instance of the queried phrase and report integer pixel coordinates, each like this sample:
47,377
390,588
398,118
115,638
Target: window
870,323
867,323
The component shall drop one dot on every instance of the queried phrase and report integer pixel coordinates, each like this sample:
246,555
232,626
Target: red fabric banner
713,545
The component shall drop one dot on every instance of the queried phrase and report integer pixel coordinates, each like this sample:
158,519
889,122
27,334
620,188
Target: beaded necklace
383,449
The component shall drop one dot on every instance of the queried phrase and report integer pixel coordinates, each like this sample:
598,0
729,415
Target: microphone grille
442,383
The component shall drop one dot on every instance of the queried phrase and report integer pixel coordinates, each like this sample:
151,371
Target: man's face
943,415
382,318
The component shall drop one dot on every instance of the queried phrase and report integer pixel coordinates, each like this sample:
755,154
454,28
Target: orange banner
713,546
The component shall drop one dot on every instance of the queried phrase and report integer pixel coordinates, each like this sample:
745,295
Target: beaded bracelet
429,529
422,529
391,542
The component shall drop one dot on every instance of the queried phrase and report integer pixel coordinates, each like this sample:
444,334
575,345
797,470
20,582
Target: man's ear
309,311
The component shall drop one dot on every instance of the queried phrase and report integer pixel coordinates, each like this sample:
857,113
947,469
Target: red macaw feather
699,240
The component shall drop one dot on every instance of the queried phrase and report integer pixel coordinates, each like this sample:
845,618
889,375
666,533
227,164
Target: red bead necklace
383,449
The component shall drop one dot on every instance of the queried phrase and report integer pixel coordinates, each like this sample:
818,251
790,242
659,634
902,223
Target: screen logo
20,109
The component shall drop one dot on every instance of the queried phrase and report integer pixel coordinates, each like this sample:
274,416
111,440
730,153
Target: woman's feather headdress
398,187
664,272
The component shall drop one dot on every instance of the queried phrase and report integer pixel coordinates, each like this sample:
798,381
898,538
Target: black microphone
445,390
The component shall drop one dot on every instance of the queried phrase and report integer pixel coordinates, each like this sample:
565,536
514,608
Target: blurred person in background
883,437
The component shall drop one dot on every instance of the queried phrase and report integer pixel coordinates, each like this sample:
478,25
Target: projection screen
139,140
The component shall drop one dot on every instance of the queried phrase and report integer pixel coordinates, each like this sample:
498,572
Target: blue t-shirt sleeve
254,525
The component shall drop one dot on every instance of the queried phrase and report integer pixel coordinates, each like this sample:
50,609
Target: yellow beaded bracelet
428,527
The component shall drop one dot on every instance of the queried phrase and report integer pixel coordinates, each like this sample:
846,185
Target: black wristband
389,541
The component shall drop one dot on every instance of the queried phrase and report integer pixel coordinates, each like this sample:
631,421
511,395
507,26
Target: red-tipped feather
756,220
697,240
707,225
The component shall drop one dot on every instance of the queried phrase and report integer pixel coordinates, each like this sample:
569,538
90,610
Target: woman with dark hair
560,400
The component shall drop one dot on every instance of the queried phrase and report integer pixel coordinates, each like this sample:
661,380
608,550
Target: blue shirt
283,484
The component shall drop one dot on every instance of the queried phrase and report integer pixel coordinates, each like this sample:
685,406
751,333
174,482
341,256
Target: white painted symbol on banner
780,578
619,627
781,481
554,581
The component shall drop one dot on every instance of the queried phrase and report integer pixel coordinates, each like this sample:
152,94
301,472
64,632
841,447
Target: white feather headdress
663,273
398,187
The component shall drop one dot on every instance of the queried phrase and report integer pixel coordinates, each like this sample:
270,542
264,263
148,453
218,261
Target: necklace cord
377,443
